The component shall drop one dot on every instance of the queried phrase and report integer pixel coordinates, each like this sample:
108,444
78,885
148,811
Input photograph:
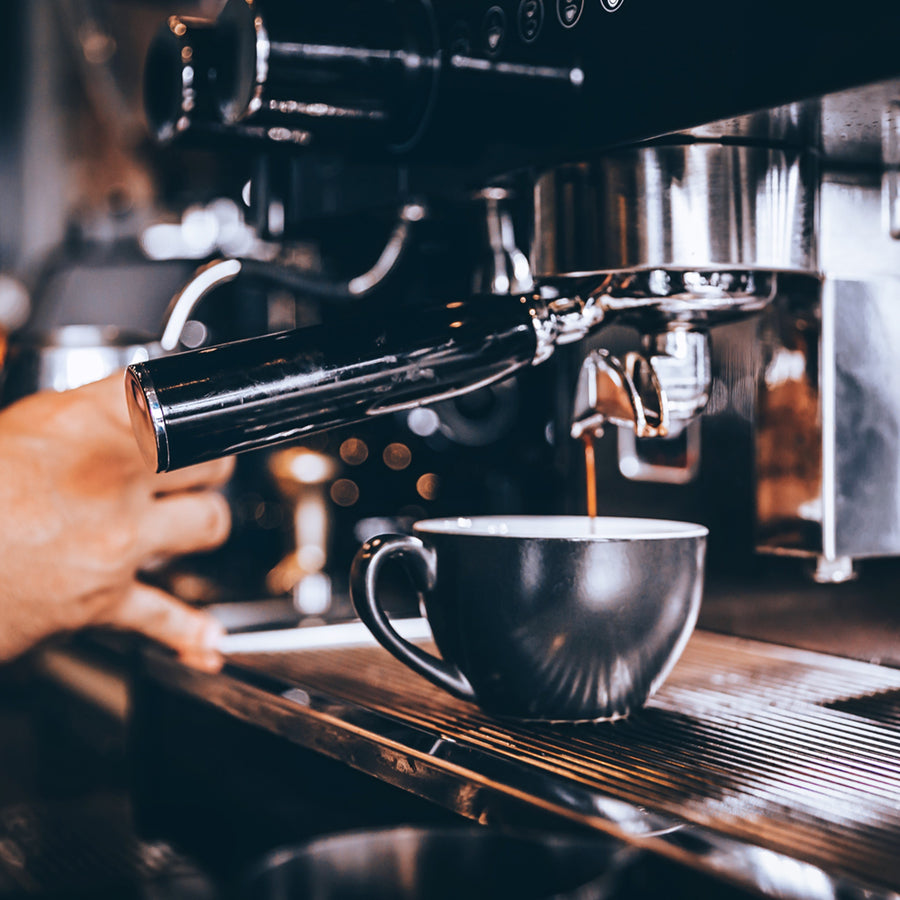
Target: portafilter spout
656,393
672,237
660,389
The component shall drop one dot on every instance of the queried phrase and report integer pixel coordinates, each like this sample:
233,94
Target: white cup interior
565,527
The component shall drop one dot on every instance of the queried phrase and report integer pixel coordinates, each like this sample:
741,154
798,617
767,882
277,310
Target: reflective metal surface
656,394
205,280
778,769
611,392
299,75
680,360
652,298
773,767
554,618
264,391
209,404
827,426
684,206
440,864
848,126
505,269
861,323
69,357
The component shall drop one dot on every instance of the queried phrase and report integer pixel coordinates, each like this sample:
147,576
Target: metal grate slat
763,743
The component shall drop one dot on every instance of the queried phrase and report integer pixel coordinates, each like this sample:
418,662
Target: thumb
192,634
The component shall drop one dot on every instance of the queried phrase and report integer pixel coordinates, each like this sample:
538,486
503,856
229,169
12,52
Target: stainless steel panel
828,423
862,451
681,206
848,127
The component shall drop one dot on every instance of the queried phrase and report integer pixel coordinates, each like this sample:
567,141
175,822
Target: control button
531,19
494,30
569,12
612,5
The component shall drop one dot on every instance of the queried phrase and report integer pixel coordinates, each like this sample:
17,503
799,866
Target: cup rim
600,529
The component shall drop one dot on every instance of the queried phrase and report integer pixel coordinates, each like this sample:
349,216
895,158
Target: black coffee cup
557,618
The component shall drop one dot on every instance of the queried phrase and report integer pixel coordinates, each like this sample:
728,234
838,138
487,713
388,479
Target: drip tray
772,766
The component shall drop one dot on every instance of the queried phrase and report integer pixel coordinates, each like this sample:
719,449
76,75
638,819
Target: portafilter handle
259,392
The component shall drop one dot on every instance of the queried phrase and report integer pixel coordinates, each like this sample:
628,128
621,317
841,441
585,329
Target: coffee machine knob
298,73
338,70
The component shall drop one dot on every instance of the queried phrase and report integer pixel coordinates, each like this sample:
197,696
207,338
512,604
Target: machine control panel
432,79
536,31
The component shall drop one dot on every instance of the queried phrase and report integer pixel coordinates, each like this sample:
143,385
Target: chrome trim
829,423
393,251
635,465
147,419
263,49
563,320
686,295
567,74
608,392
511,369
205,279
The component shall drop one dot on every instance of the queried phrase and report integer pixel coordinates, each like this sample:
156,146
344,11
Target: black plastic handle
259,392
421,562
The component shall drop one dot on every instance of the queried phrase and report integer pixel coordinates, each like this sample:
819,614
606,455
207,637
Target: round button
612,5
569,12
531,19
494,30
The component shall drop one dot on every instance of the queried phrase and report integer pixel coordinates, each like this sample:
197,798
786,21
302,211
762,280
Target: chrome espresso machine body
673,231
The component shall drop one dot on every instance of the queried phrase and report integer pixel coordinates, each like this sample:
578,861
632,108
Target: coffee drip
590,472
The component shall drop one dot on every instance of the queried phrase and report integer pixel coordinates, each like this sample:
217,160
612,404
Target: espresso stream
590,473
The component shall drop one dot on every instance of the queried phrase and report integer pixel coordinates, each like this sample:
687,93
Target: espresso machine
667,209
659,245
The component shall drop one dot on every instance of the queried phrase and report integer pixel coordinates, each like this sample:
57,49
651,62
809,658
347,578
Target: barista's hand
80,514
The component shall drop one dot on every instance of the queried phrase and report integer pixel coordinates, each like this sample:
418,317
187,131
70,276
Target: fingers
205,475
213,474
192,634
107,397
109,394
185,523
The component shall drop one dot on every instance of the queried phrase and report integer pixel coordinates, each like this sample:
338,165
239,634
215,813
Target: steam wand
219,272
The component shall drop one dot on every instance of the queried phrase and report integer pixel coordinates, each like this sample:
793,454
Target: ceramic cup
555,618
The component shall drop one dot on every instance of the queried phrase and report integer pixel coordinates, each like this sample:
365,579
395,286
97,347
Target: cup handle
420,560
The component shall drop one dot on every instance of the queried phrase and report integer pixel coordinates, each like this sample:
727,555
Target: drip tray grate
764,744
